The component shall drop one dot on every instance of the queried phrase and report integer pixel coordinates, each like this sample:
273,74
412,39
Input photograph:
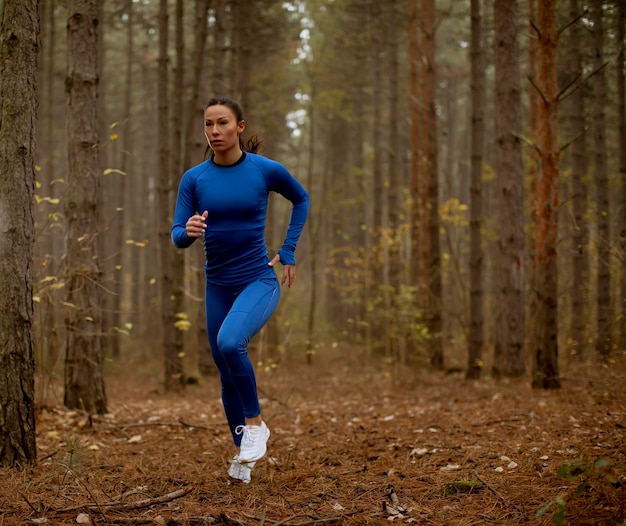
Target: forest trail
351,443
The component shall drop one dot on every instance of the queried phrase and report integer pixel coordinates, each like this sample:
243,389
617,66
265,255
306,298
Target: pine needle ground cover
352,443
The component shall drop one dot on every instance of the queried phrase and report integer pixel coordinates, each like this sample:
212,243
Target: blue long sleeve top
236,199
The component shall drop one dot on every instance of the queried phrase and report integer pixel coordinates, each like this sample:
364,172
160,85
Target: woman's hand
289,271
196,224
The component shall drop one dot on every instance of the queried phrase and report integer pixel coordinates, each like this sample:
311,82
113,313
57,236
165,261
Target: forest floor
352,443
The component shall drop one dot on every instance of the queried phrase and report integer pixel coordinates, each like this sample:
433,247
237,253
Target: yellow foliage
140,244
454,212
182,325
113,171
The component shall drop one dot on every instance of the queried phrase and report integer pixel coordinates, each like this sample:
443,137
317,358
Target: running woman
223,200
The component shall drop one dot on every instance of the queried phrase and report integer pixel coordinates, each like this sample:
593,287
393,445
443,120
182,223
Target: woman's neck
227,158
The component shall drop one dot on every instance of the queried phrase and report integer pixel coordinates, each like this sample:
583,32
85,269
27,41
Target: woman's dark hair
254,143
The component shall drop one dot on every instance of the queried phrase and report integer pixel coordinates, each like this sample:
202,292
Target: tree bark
84,381
509,300
394,191
621,114
176,167
47,255
414,70
574,106
604,311
124,218
18,116
173,367
545,325
476,330
379,324
431,175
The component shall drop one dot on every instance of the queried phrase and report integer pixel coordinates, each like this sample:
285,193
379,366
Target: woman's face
221,128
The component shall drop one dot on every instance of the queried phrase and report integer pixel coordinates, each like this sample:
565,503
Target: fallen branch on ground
113,506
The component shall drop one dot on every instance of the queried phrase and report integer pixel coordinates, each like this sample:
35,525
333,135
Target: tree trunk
509,301
19,31
414,69
621,114
313,233
394,191
126,166
545,318
123,217
431,172
47,340
575,118
194,143
604,314
177,139
84,381
476,331
193,146
379,324
173,367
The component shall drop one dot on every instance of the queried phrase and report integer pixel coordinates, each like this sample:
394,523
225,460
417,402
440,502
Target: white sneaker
253,442
240,471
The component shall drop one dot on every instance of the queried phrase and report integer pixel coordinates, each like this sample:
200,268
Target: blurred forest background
465,161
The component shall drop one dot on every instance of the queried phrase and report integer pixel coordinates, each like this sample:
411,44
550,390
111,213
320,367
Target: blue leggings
233,316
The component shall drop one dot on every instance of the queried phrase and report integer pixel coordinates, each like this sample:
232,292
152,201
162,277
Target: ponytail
253,144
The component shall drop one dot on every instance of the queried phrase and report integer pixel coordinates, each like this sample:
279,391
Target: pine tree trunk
378,182
575,119
509,300
173,369
393,186
84,381
545,318
414,62
19,29
126,166
621,114
604,313
194,146
313,233
47,341
176,167
431,173
476,330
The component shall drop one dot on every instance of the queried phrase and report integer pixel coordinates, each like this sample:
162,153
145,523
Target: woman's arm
185,209
289,187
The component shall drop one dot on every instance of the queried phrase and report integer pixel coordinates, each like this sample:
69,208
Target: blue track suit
242,290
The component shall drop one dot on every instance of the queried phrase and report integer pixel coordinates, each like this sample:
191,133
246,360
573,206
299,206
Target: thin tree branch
131,505
534,26
539,92
573,21
562,96
156,424
528,142
567,144
569,85
171,521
